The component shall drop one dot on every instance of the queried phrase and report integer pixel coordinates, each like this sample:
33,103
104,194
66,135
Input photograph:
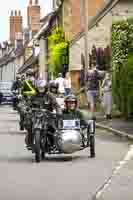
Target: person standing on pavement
60,82
107,96
67,84
93,78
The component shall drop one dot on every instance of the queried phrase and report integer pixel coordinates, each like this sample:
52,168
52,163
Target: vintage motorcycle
53,135
25,113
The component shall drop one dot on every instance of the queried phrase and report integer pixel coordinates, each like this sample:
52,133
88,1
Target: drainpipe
84,21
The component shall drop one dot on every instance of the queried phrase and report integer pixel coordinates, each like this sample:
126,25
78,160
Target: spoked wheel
37,146
85,138
92,146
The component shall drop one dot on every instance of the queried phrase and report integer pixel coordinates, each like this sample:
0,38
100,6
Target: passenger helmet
53,87
42,86
18,77
30,72
71,102
23,77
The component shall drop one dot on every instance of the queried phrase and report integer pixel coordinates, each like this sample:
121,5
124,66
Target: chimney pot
36,2
12,13
30,2
15,13
19,13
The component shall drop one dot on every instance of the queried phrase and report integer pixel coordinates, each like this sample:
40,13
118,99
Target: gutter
115,132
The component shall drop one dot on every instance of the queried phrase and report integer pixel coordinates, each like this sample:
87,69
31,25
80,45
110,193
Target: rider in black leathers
44,100
16,84
16,87
53,88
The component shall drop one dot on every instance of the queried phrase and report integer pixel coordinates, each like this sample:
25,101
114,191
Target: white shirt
67,83
60,82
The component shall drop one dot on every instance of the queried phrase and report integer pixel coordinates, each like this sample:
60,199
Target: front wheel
92,146
37,146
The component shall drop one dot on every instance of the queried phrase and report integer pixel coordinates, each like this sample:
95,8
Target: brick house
72,24
99,32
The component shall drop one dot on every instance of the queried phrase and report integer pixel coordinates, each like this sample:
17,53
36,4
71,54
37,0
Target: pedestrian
60,82
107,96
67,84
93,78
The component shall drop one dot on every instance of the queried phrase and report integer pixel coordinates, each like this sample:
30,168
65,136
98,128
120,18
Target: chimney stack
16,23
33,16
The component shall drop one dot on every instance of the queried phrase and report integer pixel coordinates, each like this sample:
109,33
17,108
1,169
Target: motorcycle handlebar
44,111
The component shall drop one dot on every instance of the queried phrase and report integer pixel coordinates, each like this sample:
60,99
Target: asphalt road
73,177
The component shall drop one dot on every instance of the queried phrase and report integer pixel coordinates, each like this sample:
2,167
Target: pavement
63,177
118,126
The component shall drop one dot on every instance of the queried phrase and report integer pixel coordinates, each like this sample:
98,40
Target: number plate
8,98
71,124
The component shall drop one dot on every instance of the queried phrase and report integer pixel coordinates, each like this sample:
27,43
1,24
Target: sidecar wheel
92,146
37,146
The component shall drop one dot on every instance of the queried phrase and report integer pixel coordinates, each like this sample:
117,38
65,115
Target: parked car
6,96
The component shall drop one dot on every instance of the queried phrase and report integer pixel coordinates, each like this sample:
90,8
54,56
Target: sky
8,5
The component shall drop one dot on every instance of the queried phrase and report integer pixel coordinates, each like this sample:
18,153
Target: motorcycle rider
27,90
44,100
53,88
23,78
71,112
16,87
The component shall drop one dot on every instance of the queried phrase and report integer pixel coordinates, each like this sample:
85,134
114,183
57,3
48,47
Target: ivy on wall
122,65
58,55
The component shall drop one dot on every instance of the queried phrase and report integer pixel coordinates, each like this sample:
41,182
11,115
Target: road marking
115,171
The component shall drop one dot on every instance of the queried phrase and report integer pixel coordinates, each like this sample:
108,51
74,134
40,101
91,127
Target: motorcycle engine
69,141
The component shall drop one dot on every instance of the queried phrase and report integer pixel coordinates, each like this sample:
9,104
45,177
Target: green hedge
122,64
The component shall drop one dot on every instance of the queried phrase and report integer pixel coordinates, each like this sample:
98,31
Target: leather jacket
45,101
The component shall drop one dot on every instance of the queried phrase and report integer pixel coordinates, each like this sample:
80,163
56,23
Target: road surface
73,177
